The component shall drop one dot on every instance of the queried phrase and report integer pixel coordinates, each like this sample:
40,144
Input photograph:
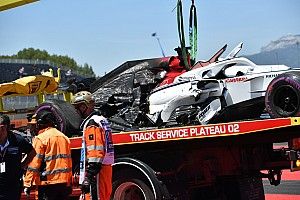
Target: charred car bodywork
218,90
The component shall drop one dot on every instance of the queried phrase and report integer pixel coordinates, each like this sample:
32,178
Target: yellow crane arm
8,4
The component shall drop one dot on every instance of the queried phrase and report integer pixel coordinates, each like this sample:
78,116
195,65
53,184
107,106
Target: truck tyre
125,189
283,96
68,120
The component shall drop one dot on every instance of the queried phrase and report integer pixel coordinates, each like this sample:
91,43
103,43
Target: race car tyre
131,189
68,120
283,96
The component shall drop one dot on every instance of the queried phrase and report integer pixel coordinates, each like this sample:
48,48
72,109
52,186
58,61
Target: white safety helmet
82,97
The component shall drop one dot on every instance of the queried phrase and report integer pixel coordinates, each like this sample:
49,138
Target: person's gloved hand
27,191
92,170
85,186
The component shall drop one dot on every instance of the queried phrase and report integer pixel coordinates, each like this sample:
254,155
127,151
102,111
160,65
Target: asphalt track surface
288,189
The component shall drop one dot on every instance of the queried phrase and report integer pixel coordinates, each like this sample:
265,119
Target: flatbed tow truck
215,161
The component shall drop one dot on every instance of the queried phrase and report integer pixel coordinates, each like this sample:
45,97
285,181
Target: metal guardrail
26,61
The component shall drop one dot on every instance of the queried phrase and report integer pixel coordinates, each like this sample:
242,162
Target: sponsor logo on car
235,80
271,75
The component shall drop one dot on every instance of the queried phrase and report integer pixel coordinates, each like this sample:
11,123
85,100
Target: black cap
46,117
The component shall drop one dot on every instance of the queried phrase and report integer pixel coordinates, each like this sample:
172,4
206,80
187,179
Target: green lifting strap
181,35
193,33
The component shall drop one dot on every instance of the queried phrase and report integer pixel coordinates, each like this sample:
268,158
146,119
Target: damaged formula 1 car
218,90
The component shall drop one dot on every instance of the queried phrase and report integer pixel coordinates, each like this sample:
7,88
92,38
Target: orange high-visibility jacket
53,150
98,144
98,140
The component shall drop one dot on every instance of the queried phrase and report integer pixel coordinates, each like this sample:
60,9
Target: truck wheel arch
140,170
